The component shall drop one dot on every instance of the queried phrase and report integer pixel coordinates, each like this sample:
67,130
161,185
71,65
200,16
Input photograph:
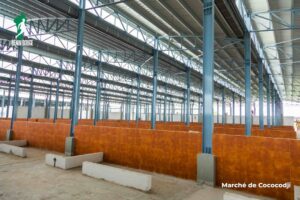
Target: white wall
37,112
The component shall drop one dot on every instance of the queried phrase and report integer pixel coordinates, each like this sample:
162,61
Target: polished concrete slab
32,179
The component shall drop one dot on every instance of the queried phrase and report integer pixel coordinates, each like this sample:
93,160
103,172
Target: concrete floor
30,179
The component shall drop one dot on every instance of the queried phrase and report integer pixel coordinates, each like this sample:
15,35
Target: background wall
39,112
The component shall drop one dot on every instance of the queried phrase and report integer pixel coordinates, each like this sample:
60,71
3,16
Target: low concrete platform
18,143
72,161
10,149
31,179
119,176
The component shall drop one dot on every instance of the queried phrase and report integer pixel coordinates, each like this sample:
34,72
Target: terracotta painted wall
258,159
239,158
275,133
4,126
272,132
167,152
42,135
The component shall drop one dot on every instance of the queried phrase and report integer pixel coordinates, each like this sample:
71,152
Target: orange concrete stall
276,132
239,158
4,126
167,152
242,159
49,136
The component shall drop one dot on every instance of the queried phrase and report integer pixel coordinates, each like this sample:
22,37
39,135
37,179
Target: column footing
206,169
70,146
9,134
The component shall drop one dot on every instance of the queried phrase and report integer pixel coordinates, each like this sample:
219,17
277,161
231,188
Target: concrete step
64,162
10,149
120,176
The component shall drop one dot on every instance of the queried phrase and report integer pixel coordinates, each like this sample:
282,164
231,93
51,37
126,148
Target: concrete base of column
206,169
70,146
9,134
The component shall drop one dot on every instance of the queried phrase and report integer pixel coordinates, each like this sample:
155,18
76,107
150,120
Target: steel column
199,111
208,76
2,104
30,101
87,108
90,116
70,109
104,110
181,112
247,48
240,109
33,101
46,102
77,75
173,111
188,93
81,104
165,104
169,110
233,108
17,87
192,112
57,93
223,106
49,102
276,110
129,106
159,111
147,111
121,110
98,90
137,114
273,106
107,110
155,66
218,113
126,109
184,106
281,113
62,106
140,111
268,101
261,94
9,97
